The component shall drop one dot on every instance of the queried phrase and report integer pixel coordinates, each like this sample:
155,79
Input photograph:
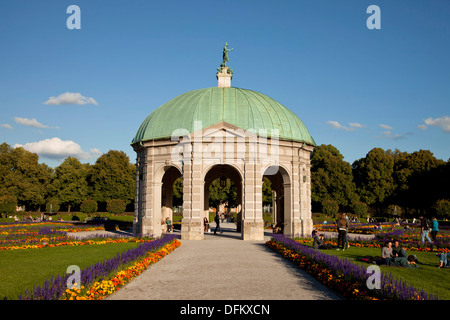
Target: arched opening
223,194
278,180
170,182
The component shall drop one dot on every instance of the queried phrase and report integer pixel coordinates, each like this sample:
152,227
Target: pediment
223,130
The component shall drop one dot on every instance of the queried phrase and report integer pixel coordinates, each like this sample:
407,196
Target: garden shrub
115,206
88,206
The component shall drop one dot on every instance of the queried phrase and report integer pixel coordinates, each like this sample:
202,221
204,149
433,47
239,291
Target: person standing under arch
217,220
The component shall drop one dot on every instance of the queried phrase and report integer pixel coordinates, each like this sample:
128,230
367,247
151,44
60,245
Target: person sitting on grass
398,251
409,262
318,241
444,259
386,253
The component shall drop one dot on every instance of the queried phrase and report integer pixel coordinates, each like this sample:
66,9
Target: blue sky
84,92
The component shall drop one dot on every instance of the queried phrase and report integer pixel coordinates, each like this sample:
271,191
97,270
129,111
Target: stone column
296,198
192,223
139,191
148,197
305,191
288,214
274,207
252,223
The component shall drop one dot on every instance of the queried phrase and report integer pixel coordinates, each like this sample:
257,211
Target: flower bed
19,236
342,275
101,289
360,228
411,239
55,288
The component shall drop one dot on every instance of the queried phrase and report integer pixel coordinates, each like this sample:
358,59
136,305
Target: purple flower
391,288
53,288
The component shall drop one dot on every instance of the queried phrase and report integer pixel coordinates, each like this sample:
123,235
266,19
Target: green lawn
23,269
428,277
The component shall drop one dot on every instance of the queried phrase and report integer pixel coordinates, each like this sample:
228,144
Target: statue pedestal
224,78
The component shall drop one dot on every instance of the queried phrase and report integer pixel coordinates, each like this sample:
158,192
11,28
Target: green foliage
360,209
178,192
442,207
330,208
395,210
115,206
88,206
421,179
52,205
331,177
8,204
374,177
112,177
267,191
220,194
69,185
23,177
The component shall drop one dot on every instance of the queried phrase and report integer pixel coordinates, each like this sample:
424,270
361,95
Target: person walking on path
425,227
217,220
434,228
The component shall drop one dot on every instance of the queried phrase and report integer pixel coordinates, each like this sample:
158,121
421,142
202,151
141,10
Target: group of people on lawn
390,255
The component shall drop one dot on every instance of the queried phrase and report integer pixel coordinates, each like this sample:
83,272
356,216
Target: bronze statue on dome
225,59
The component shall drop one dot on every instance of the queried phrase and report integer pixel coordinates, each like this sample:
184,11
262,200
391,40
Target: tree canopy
112,177
416,182
331,177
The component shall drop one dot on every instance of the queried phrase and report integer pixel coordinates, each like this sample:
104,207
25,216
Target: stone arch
165,177
229,171
282,208
170,175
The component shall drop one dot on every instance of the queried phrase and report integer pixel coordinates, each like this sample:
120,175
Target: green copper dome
243,108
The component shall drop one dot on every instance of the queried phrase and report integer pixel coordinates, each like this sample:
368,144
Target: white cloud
422,127
394,136
30,123
5,125
353,126
55,148
443,123
70,98
356,125
385,126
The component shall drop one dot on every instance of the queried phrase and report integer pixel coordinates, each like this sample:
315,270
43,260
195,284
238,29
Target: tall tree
219,194
23,177
112,177
331,177
374,177
419,173
69,184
